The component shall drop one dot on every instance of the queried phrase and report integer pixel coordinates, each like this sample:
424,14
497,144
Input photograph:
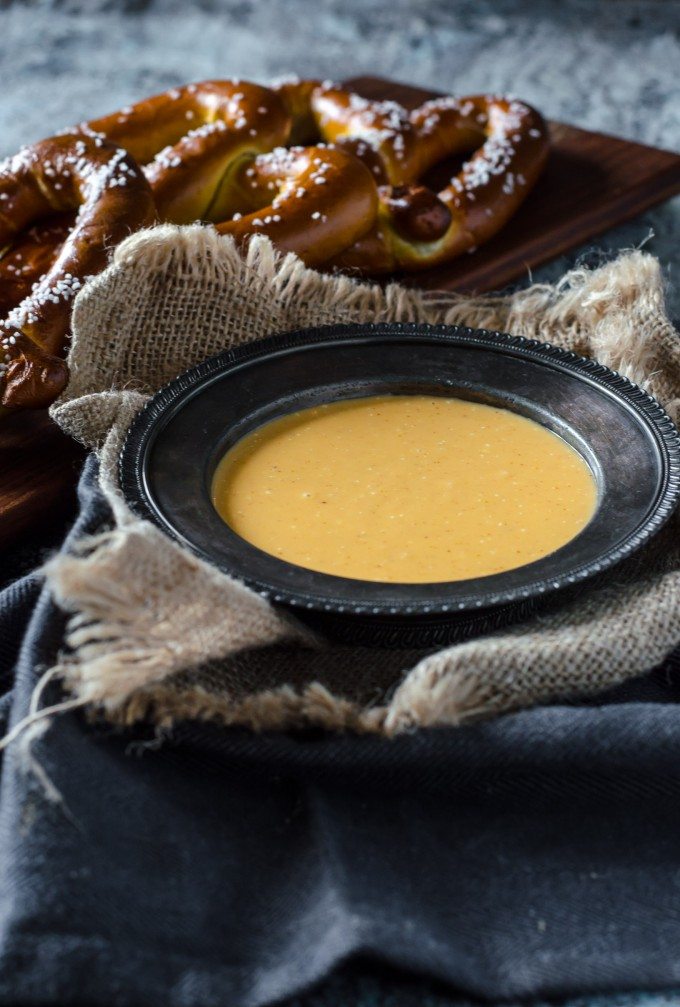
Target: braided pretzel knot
231,168
112,198
221,169
192,140
349,197
417,228
188,138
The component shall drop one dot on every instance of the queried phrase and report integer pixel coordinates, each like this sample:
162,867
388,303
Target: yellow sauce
405,488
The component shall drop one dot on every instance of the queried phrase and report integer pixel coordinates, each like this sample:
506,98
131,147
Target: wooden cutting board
592,182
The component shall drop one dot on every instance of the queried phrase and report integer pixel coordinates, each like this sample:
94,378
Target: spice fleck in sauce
405,488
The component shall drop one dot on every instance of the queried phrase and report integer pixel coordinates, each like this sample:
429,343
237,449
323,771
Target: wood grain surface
39,468
592,182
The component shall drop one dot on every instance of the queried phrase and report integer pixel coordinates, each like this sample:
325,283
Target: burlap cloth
156,633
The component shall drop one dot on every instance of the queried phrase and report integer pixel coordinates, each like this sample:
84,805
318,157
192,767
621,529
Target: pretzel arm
500,174
148,126
194,179
112,198
396,145
24,260
325,200
417,229
192,138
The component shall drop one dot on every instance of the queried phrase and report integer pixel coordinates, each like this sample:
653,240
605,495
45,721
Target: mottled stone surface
611,65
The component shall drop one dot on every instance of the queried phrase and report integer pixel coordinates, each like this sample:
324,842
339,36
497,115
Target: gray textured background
612,65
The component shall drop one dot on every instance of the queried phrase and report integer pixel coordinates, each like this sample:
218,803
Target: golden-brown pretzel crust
28,258
214,151
400,146
227,152
191,140
112,199
200,172
325,200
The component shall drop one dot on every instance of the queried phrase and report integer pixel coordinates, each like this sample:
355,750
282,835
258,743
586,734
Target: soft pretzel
199,173
112,198
26,259
213,151
333,177
417,228
324,201
193,139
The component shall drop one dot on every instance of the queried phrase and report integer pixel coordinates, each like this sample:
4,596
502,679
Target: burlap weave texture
157,633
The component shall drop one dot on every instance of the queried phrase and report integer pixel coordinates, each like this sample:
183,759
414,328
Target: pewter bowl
630,444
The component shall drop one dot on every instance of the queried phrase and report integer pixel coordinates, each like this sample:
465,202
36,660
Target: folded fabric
157,634
530,856
189,861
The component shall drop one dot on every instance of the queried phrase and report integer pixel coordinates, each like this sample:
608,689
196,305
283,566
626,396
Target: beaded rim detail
656,420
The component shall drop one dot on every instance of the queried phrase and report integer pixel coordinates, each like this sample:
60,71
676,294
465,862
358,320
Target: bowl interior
631,447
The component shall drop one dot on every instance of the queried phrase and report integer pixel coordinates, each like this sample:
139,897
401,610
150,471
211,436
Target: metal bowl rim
188,383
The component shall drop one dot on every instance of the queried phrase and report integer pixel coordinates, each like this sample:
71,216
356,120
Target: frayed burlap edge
124,652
